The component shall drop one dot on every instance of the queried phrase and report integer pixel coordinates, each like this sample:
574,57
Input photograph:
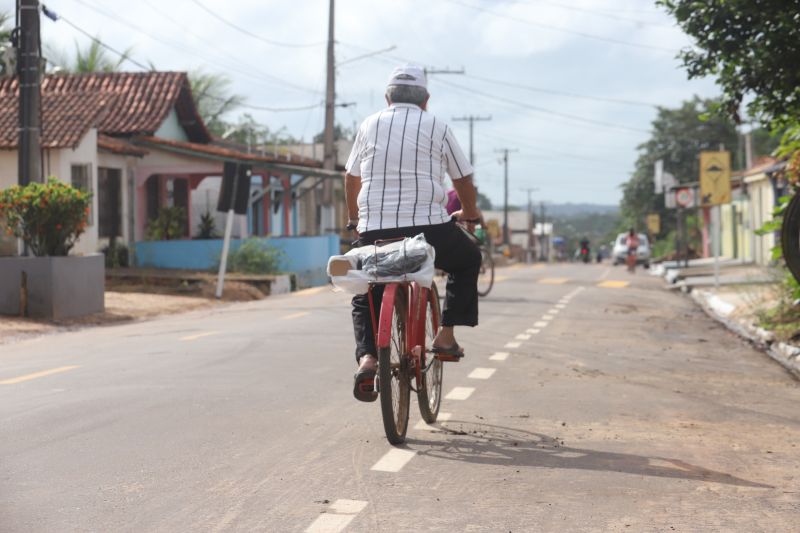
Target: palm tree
6,50
213,98
92,58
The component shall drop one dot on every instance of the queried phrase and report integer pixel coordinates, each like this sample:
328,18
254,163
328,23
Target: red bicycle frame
416,317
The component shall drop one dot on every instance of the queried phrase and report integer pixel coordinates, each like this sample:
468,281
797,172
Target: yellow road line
296,315
199,335
309,292
500,278
553,281
43,373
539,265
613,284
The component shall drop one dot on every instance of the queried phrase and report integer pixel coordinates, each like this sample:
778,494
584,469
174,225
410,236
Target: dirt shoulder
125,302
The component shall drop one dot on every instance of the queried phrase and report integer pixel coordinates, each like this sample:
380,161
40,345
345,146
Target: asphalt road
619,408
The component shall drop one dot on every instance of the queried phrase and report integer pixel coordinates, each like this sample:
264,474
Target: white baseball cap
409,75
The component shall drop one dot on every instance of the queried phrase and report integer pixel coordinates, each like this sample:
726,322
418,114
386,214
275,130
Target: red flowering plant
49,216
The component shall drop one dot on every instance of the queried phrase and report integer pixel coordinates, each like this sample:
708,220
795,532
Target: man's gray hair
406,94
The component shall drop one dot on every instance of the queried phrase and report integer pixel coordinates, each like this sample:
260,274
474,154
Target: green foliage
49,216
255,256
213,98
169,224
484,203
207,228
92,58
750,47
116,255
679,135
783,318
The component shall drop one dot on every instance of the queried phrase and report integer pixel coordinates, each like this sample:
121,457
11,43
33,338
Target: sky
571,85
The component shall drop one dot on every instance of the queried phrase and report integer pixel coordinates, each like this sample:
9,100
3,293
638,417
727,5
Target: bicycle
486,275
407,322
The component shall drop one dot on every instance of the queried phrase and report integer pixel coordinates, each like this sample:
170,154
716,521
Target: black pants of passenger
456,254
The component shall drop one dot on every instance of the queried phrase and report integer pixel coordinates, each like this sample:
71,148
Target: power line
560,29
525,105
250,72
55,17
601,13
268,108
562,93
251,34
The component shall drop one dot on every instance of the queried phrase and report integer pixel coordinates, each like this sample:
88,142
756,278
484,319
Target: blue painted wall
307,257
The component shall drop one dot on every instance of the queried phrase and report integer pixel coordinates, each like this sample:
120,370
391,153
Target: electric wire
525,105
259,76
122,55
560,29
601,13
251,34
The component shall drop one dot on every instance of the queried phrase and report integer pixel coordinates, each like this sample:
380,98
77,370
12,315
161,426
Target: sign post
715,190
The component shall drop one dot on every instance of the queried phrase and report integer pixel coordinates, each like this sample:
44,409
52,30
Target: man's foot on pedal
364,379
448,353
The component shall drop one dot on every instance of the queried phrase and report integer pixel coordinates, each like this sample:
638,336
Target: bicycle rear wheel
790,236
393,375
486,276
429,395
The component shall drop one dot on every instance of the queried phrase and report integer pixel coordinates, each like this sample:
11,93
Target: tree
6,50
93,58
751,46
679,135
484,203
213,98
339,132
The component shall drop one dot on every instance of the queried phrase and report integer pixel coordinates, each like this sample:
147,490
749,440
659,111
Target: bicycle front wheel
790,236
486,276
429,395
393,375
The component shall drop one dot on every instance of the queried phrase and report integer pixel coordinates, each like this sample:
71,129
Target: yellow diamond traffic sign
715,178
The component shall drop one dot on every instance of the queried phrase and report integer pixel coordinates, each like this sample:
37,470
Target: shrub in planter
116,255
207,228
49,216
255,256
169,224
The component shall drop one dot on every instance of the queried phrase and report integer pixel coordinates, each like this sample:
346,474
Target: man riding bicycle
395,188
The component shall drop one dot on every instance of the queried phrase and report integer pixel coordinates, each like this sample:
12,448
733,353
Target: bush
169,224
116,255
255,256
207,228
48,216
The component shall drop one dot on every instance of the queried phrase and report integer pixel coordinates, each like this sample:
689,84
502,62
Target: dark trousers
456,254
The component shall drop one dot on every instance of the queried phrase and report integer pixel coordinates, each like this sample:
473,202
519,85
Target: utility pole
544,251
471,119
30,97
505,152
330,96
530,223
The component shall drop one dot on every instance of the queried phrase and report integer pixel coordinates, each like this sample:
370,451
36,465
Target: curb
786,355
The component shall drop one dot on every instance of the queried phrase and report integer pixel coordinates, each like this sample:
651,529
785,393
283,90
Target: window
109,202
81,177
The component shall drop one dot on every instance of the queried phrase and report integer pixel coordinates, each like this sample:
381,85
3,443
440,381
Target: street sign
684,197
715,178
654,223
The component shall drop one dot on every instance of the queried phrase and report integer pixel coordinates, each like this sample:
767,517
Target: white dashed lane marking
460,393
336,517
547,317
561,306
296,315
522,337
499,356
482,373
394,460
553,311
423,426
532,331
199,335
513,344
540,324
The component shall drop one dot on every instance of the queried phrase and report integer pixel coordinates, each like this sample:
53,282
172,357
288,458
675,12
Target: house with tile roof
137,142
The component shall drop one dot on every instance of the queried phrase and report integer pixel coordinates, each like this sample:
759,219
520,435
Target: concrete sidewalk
744,291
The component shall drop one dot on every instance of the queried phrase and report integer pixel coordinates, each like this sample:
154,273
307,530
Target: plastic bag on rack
409,259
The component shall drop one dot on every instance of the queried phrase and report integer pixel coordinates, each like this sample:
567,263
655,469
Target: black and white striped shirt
401,155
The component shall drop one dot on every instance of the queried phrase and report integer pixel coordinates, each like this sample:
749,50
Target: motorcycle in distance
585,256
